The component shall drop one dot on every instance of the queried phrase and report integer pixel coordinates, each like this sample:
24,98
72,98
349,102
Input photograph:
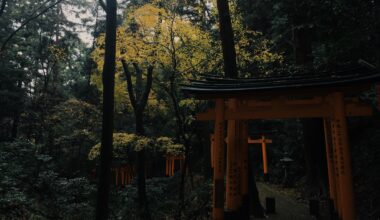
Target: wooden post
181,160
122,176
173,166
117,176
244,157
264,151
166,166
330,162
336,168
233,191
170,166
212,149
127,175
218,179
244,170
343,158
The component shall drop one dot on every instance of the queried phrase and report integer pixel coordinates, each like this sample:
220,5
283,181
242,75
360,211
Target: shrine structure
332,96
173,163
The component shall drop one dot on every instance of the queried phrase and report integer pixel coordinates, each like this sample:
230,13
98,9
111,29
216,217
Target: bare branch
103,5
138,86
27,22
129,84
148,86
2,7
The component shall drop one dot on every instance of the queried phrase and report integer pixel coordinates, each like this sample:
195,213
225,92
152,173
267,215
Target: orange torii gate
263,141
171,162
239,100
123,174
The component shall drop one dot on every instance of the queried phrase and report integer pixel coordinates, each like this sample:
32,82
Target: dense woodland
52,100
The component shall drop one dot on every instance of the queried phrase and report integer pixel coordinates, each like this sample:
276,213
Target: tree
139,99
314,144
2,6
227,38
230,70
108,112
155,38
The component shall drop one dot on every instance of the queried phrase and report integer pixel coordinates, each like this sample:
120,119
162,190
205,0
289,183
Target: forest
94,122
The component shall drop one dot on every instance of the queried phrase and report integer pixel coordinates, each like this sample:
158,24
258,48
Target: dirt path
287,207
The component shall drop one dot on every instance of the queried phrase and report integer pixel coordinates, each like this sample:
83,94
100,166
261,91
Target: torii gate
170,164
263,141
123,174
239,100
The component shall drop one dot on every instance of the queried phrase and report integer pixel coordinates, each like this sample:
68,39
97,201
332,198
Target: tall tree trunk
102,209
227,37
139,99
313,135
141,170
377,30
230,70
16,115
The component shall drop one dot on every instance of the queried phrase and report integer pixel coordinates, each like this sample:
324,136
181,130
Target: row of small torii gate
125,173
237,101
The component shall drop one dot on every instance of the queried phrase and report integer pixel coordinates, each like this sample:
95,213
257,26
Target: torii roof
349,80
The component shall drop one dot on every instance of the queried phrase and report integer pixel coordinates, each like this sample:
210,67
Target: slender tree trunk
230,70
227,37
184,140
16,116
102,209
313,134
139,99
16,120
141,170
377,30
2,7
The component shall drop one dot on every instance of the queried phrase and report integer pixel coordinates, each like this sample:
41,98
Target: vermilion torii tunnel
333,96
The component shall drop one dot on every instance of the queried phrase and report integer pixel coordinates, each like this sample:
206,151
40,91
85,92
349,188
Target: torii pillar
235,197
218,160
339,159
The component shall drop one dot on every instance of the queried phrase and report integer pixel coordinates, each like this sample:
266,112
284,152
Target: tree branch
2,7
103,5
138,86
149,81
129,84
27,22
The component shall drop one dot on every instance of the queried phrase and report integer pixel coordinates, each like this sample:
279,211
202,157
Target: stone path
287,207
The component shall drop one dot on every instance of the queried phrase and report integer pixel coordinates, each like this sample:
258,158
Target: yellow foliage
124,144
152,36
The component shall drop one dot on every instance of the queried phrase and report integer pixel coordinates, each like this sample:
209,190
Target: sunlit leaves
125,145
154,36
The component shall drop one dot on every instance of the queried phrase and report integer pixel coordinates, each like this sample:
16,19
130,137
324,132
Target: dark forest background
51,99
